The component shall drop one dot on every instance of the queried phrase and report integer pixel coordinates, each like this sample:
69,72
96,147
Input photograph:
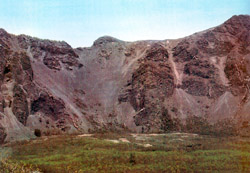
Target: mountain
199,84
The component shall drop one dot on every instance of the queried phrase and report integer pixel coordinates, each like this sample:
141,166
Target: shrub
37,133
132,159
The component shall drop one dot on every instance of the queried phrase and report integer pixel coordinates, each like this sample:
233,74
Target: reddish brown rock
2,135
199,84
49,106
200,68
151,83
20,104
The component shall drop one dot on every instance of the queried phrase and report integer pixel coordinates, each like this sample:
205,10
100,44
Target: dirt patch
124,140
113,140
85,135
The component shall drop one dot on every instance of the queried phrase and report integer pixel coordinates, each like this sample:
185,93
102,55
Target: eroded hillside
199,83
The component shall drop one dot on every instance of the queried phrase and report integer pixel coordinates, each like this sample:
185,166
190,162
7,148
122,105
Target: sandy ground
178,137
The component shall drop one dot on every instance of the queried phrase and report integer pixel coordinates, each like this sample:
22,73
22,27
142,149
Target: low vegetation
173,152
8,166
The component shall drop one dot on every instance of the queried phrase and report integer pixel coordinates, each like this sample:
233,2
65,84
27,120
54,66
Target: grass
169,153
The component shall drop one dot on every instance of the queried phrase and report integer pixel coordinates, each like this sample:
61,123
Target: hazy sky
80,22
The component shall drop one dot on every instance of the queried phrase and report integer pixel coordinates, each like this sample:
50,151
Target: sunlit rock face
199,83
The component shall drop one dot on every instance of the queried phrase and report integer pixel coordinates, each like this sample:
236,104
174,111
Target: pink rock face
199,83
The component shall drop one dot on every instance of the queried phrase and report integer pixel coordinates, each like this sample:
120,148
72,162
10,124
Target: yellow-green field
174,152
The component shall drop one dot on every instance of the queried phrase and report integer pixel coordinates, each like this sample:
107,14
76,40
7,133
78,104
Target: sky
80,22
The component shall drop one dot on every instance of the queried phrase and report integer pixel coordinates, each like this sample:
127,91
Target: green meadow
111,152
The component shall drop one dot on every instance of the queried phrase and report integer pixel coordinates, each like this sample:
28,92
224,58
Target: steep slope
199,83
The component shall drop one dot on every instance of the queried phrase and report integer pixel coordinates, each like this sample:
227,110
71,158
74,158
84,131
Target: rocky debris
186,84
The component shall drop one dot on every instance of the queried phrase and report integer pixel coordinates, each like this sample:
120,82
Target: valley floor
111,152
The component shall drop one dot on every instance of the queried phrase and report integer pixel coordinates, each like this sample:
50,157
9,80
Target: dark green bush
37,133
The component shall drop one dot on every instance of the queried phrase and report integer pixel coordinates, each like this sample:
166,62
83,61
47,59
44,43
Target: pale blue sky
80,22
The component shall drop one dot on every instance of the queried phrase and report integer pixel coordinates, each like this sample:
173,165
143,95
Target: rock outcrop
199,83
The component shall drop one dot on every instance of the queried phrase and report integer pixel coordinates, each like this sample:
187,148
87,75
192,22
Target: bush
132,159
37,133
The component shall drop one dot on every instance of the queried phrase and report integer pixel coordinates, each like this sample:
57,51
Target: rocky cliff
199,83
